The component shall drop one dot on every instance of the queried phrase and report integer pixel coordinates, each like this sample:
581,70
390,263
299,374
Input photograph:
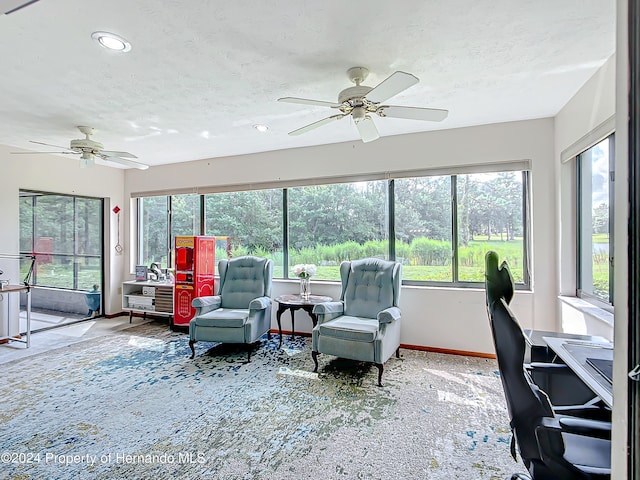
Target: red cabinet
195,269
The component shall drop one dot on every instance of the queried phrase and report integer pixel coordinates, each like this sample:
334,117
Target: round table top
296,299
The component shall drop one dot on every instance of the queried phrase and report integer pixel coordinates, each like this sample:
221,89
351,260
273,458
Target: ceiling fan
88,149
361,101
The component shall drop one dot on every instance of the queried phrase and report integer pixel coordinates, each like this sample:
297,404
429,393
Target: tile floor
50,339
44,319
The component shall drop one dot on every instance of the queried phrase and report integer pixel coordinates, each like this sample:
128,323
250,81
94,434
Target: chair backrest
498,279
369,286
526,403
244,278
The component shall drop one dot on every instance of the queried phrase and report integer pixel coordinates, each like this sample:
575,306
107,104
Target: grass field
470,267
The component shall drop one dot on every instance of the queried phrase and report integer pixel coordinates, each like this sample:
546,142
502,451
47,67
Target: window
424,228
490,212
185,216
250,222
445,225
439,227
332,223
65,233
153,231
595,172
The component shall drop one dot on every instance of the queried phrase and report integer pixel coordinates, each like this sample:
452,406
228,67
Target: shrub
426,251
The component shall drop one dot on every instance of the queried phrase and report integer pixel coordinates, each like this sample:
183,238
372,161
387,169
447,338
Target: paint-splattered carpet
132,405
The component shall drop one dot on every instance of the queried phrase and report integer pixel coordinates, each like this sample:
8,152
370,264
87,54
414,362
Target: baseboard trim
7,340
289,332
448,351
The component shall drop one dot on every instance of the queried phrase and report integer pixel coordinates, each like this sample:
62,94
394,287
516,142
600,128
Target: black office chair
566,391
551,447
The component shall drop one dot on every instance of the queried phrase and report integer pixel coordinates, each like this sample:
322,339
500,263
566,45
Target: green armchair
241,312
365,324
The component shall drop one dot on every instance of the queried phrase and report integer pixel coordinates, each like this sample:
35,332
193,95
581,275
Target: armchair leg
398,352
249,348
314,355
380,368
193,350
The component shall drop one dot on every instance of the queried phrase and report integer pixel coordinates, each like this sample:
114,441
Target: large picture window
246,223
424,228
490,213
595,169
329,224
65,234
153,231
438,227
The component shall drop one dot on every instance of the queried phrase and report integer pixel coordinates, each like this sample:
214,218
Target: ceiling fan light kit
360,101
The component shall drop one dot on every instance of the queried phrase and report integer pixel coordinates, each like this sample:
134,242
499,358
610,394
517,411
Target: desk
296,302
575,352
539,350
8,289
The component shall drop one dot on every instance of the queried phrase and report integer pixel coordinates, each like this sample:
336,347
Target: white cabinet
143,297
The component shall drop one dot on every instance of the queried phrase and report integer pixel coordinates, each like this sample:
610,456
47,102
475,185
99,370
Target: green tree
600,219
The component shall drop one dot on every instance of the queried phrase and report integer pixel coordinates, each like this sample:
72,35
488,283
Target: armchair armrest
328,311
260,303
206,304
389,315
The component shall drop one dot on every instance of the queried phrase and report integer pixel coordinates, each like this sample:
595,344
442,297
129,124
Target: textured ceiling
201,73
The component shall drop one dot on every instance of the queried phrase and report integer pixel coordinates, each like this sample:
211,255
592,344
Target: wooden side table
296,302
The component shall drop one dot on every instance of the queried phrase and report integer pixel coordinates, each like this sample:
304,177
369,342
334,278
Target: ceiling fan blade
49,145
124,161
413,113
109,153
392,85
317,124
306,101
368,130
33,153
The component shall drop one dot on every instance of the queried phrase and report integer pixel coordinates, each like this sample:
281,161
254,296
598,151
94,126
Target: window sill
588,308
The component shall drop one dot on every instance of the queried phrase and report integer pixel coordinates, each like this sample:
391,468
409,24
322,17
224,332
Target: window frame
456,283
390,185
580,293
34,195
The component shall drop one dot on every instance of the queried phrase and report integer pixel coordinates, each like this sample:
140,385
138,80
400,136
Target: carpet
132,405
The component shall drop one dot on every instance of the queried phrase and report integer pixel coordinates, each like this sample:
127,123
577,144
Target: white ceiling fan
360,101
88,149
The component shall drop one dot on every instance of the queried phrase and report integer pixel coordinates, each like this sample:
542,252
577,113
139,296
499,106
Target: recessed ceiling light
111,41
261,128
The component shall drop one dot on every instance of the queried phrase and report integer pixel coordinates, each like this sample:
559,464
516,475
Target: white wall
436,317
587,116
56,174
603,96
